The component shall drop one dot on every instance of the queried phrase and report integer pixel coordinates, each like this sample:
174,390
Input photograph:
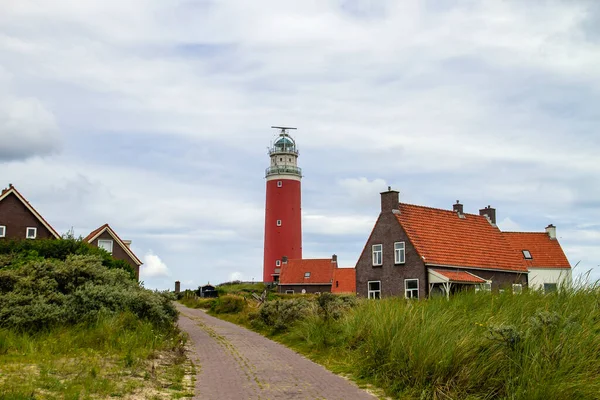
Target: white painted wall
539,276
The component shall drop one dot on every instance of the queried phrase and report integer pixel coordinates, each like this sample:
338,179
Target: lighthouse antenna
283,129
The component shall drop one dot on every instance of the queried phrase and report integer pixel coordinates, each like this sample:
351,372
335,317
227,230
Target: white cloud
236,276
162,113
153,266
508,225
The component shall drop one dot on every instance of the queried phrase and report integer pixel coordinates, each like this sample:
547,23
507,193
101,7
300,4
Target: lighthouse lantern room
283,225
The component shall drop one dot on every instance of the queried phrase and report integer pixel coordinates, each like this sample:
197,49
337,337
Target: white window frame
517,288
278,222
27,236
399,250
278,263
377,255
375,293
2,231
411,290
289,291
484,287
307,274
279,184
106,241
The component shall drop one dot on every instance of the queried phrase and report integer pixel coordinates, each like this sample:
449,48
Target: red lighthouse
283,225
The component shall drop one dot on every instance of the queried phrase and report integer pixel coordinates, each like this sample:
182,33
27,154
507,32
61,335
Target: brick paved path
235,363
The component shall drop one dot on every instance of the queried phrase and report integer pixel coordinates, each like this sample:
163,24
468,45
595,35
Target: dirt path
235,363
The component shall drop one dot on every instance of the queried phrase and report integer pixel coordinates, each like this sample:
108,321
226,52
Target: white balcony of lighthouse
284,158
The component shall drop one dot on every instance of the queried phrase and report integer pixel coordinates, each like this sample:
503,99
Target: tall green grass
111,356
474,346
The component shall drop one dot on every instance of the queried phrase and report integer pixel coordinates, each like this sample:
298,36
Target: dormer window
31,233
527,255
307,274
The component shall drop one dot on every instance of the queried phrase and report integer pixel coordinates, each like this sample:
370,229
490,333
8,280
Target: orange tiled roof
344,280
460,276
321,271
545,252
442,238
96,232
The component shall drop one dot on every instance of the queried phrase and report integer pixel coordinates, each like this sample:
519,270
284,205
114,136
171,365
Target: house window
484,287
2,231
411,288
106,245
279,184
550,287
289,292
277,263
399,253
527,255
517,288
31,233
374,289
377,254
307,274
278,222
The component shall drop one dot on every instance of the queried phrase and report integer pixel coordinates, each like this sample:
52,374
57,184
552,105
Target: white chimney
127,243
551,231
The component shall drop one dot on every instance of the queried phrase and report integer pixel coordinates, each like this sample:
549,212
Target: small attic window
307,274
527,255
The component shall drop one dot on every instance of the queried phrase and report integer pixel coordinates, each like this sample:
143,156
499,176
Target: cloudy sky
154,116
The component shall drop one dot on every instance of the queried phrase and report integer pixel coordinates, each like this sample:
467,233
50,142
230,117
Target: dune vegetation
474,346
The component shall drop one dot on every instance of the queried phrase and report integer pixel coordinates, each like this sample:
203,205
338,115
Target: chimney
284,260
458,208
177,287
390,201
127,243
334,259
551,231
489,212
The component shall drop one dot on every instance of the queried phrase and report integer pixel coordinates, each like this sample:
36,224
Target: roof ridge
440,209
521,232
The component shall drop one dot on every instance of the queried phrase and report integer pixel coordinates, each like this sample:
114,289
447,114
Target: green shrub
228,305
15,253
197,302
41,294
279,315
334,306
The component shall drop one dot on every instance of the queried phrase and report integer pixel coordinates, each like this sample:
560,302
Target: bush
15,253
334,306
281,314
41,294
228,305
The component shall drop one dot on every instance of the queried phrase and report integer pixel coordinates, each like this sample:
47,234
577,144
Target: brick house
19,220
105,237
416,251
315,276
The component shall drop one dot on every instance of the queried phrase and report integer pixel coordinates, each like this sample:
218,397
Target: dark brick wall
387,230
118,252
17,218
309,288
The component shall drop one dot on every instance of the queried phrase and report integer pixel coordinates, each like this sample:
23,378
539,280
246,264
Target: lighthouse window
279,184
277,263
278,222
280,158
